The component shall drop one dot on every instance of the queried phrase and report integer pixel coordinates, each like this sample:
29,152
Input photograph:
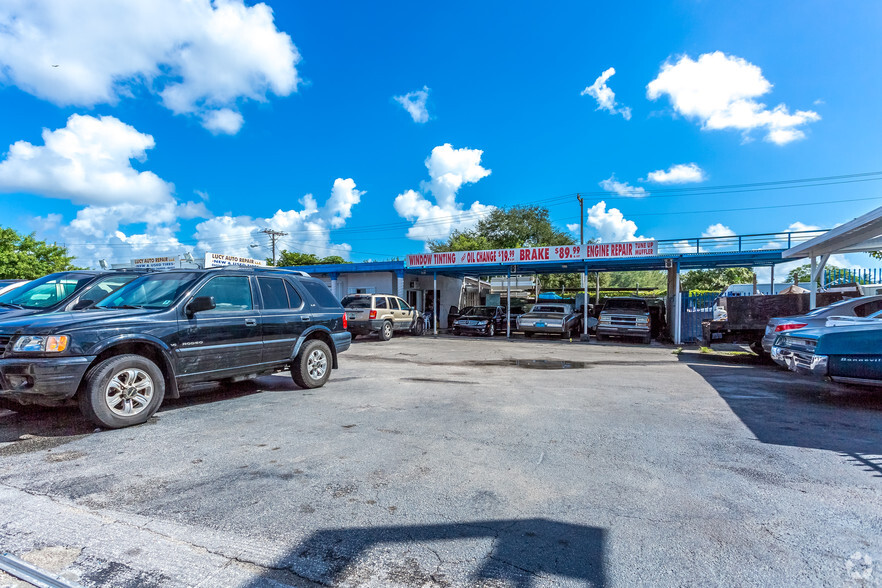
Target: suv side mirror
199,304
81,304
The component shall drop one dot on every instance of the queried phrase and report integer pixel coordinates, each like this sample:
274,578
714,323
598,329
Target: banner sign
217,260
156,263
525,255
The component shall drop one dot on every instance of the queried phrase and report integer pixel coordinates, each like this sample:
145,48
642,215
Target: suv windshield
625,304
152,291
357,302
46,291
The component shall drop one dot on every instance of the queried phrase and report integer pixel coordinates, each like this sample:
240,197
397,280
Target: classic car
851,307
551,319
850,354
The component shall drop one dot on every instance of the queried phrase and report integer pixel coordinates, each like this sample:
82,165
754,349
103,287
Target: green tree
25,257
716,279
803,273
648,280
288,258
506,228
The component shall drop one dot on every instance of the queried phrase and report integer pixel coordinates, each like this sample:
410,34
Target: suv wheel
312,366
386,331
419,328
122,391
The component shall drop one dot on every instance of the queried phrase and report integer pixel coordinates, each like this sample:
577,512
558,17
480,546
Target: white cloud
308,228
718,230
611,225
88,162
606,98
683,173
799,226
449,169
202,58
720,91
343,197
611,184
415,104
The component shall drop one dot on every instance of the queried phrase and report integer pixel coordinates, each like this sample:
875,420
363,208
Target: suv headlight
48,344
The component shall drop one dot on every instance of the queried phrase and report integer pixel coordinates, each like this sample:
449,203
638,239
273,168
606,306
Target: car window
273,292
321,294
547,308
831,307
467,310
402,304
356,302
46,291
625,304
380,302
394,304
868,308
152,291
230,293
105,287
294,299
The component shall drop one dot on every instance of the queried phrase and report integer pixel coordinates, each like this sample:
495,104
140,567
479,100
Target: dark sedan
479,320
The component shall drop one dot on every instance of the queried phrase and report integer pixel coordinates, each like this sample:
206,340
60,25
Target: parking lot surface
464,462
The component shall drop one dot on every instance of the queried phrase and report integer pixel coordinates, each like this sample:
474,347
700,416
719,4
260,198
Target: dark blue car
850,354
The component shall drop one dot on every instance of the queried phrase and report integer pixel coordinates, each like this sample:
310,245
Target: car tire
122,391
647,339
312,366
599,337
528,334
386,331
419,328
757,348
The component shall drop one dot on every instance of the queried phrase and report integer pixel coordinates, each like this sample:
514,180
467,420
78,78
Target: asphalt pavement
464,462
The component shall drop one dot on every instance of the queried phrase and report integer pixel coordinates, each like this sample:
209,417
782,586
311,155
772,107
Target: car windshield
548,308
481,311
829,308
356,302
46,291
152,291
625,304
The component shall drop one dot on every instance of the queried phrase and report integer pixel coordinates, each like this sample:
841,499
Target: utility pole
273,236
581,219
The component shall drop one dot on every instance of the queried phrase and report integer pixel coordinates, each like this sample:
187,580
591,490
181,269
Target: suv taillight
789,327
373,314
345,325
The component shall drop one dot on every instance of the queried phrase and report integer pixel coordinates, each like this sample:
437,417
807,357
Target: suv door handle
250,322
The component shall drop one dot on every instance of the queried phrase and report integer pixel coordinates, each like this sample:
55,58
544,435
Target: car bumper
768,342
623,331
365,327
801,362
470,330
342,341
548,330
44,380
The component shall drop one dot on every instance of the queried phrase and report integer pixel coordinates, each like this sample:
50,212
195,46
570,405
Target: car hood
11,313
475,317
36,324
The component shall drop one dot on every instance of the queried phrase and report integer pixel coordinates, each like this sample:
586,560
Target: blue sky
177,127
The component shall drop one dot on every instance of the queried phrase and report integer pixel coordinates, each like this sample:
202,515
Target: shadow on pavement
523,551
67,422
784,408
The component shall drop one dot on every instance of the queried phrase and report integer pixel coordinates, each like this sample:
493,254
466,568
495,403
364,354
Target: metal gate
694,309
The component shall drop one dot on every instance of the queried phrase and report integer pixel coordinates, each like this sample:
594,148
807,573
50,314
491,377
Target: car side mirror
81,304
199,304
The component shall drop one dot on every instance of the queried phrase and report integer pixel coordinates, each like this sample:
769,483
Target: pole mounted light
273,235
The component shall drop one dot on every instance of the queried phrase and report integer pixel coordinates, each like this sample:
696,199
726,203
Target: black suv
167,330
73,290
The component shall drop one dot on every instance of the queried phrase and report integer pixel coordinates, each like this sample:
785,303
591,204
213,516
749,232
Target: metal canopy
861,234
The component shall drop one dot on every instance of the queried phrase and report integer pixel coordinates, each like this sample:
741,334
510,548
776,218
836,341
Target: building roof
861,234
